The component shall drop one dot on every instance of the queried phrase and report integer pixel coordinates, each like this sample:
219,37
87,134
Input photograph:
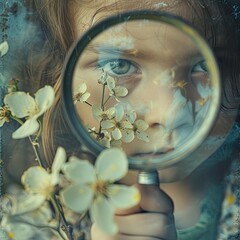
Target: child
188,203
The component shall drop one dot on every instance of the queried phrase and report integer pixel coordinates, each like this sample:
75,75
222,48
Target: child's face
141,58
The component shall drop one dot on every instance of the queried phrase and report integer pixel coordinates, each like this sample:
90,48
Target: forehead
205,18
87,13
144,39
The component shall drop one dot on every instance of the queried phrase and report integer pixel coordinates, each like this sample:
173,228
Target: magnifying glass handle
148,177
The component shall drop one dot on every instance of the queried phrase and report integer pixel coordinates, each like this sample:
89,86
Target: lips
152,153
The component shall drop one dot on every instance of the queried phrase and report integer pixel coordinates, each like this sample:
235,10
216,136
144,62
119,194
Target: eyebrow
114,50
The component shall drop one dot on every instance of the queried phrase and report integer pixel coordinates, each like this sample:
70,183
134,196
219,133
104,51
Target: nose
151,102
165,106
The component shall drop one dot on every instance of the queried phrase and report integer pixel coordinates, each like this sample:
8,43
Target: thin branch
44,226
103,96
35,149
33,143
89,104
107,99
67,228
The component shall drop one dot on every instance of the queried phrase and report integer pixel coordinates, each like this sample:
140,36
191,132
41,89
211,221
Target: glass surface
147,84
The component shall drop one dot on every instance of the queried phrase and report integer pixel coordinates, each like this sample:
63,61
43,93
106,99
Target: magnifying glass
146,82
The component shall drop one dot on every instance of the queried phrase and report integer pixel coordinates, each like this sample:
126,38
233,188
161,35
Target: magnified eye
200,67
200,79
199,73
126,73
118,67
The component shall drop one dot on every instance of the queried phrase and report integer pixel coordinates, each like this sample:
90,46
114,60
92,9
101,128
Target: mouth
152,153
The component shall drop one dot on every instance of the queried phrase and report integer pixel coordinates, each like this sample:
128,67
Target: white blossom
115,90
39,183
3,48
102,115
120,127
4,115
93,188
22,105
81,95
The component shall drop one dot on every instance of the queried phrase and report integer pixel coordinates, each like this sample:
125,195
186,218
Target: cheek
216,148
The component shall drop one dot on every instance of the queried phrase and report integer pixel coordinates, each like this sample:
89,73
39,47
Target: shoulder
229,226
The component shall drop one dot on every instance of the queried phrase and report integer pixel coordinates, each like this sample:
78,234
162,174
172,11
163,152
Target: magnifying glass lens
147,86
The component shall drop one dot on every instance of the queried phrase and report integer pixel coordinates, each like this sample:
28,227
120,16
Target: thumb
153,199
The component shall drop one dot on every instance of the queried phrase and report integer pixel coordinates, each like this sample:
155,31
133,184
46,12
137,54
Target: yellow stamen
5,113
231,199
11,235
100,187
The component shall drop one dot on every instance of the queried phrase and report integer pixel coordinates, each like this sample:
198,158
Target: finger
152,200
126,237
97,234
147,224
132,210
155,200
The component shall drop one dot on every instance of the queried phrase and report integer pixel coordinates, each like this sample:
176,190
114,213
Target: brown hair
58,37
57,20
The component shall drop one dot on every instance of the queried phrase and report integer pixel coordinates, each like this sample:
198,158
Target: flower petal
59,159
116,143
36,179
58,162
116,133
110,111
97,112
122,196
21,231
44,98
3,234
30,203
82,88
3,48
28,128
85,96
111,83
131,116
119,110
21,104
126,124
102,213
142,136
107,124
128,135
120,91
79,171
141,125
77,197
111,164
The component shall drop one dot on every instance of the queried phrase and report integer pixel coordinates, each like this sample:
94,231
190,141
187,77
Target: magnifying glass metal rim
81,132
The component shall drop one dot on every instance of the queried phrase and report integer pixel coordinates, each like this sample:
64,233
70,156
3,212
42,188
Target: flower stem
39,130
82,216
67,228
103,96
35,149
34,143
89,104
44,226
107,100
